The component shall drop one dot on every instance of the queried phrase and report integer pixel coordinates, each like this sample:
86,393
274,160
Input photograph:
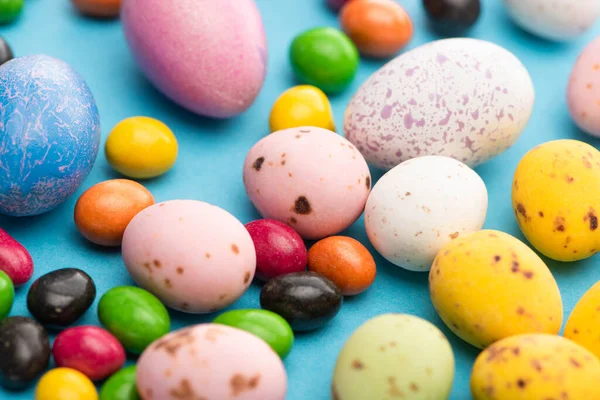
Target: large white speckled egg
210,361
422,204
195,257
310,178
463,98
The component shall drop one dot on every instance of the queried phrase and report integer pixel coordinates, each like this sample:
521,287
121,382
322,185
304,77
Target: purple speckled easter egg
209,56
463,98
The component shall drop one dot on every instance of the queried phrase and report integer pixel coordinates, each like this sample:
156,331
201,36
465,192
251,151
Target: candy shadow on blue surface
529,40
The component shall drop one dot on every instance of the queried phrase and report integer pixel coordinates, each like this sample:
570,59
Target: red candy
15,260
91,350
279,249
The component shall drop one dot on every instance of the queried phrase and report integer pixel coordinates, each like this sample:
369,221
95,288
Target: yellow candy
555,196
583,326
535,366
488,285
65,384
302,105
141,147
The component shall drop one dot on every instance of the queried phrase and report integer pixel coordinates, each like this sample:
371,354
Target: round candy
394,356
555,195
44,162
213,362
134,316
452,17
90,350
345,261
195,257
141,147
583,325
103,211
61,297
7,295
6,53
15,260
583,92
24,351
10,10
325,58
306,300
535,367
279,249
121,386
378,28
65,384
265,324
310,178
303,105
99,8
488,285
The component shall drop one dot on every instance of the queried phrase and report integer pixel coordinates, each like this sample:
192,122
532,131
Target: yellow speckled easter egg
583,326
489,285
555,197
535,366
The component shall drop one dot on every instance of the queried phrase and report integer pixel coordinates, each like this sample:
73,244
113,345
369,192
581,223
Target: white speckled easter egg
394,356
583,92
195,257
463,98
212,362
310,178
558,20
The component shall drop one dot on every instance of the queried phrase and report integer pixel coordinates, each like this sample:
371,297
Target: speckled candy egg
193,256
583,92
211,361
488,285
555,196
554,19
527,367
394,356
422,204
208,56
310,178
50,134
463,98
583,325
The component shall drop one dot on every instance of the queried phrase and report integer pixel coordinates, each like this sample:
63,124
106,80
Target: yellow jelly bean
302,105
141,147
65,384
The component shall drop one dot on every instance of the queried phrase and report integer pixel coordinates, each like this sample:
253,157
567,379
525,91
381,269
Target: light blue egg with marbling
49,134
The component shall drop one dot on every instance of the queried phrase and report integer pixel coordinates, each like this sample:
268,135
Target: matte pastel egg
308,177
583,92
195,257
208,56
211,361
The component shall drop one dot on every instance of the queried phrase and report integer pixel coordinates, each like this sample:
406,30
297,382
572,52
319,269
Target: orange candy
378,28
103,211
345,261
99,8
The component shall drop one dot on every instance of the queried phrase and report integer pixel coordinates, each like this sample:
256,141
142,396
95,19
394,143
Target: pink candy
15,260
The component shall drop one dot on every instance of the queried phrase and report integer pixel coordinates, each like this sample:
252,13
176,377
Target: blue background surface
212,153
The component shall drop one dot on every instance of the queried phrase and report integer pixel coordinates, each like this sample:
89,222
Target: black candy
306,300
24,351
5,51
452,17
61,297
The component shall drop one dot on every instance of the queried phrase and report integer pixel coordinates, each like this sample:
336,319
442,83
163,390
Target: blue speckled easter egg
49,134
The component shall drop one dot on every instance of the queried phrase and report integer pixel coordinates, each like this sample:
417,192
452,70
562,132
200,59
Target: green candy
325,58
265,324
10,10
120,386
135,316
7,294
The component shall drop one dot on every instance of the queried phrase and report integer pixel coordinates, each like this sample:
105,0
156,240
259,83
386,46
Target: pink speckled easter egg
310,178
209,56
583,93
212,362
193,256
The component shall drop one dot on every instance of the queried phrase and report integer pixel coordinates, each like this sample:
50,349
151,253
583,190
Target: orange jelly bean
103,211
378,28
345,261
99,8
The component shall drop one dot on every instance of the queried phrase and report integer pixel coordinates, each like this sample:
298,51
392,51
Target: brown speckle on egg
497,258
394,390
235,249
149,393
536,365
528,274
211,334
168,373
453,235
257,165
172,344
207,255
147,266
414,387
247,277
515,267
168,283
184,391
541,214
520,311
426,209
239,383
302,206
180,270
521,383
282,162
185,306
575,363
293,220
357,364
586,162
522,211
290,174
569,179
368,182
222,296
559,224
592,218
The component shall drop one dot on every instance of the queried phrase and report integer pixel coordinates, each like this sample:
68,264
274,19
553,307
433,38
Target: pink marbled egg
209,56
462,98
583,93
193,256
310,178
212,362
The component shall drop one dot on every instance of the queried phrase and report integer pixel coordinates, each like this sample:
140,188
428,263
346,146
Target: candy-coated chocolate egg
121,386
452,17
583,92
99,8
310,178
303,105
65,384
10,10
6,53
7,295
15,260
488,285
583,325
